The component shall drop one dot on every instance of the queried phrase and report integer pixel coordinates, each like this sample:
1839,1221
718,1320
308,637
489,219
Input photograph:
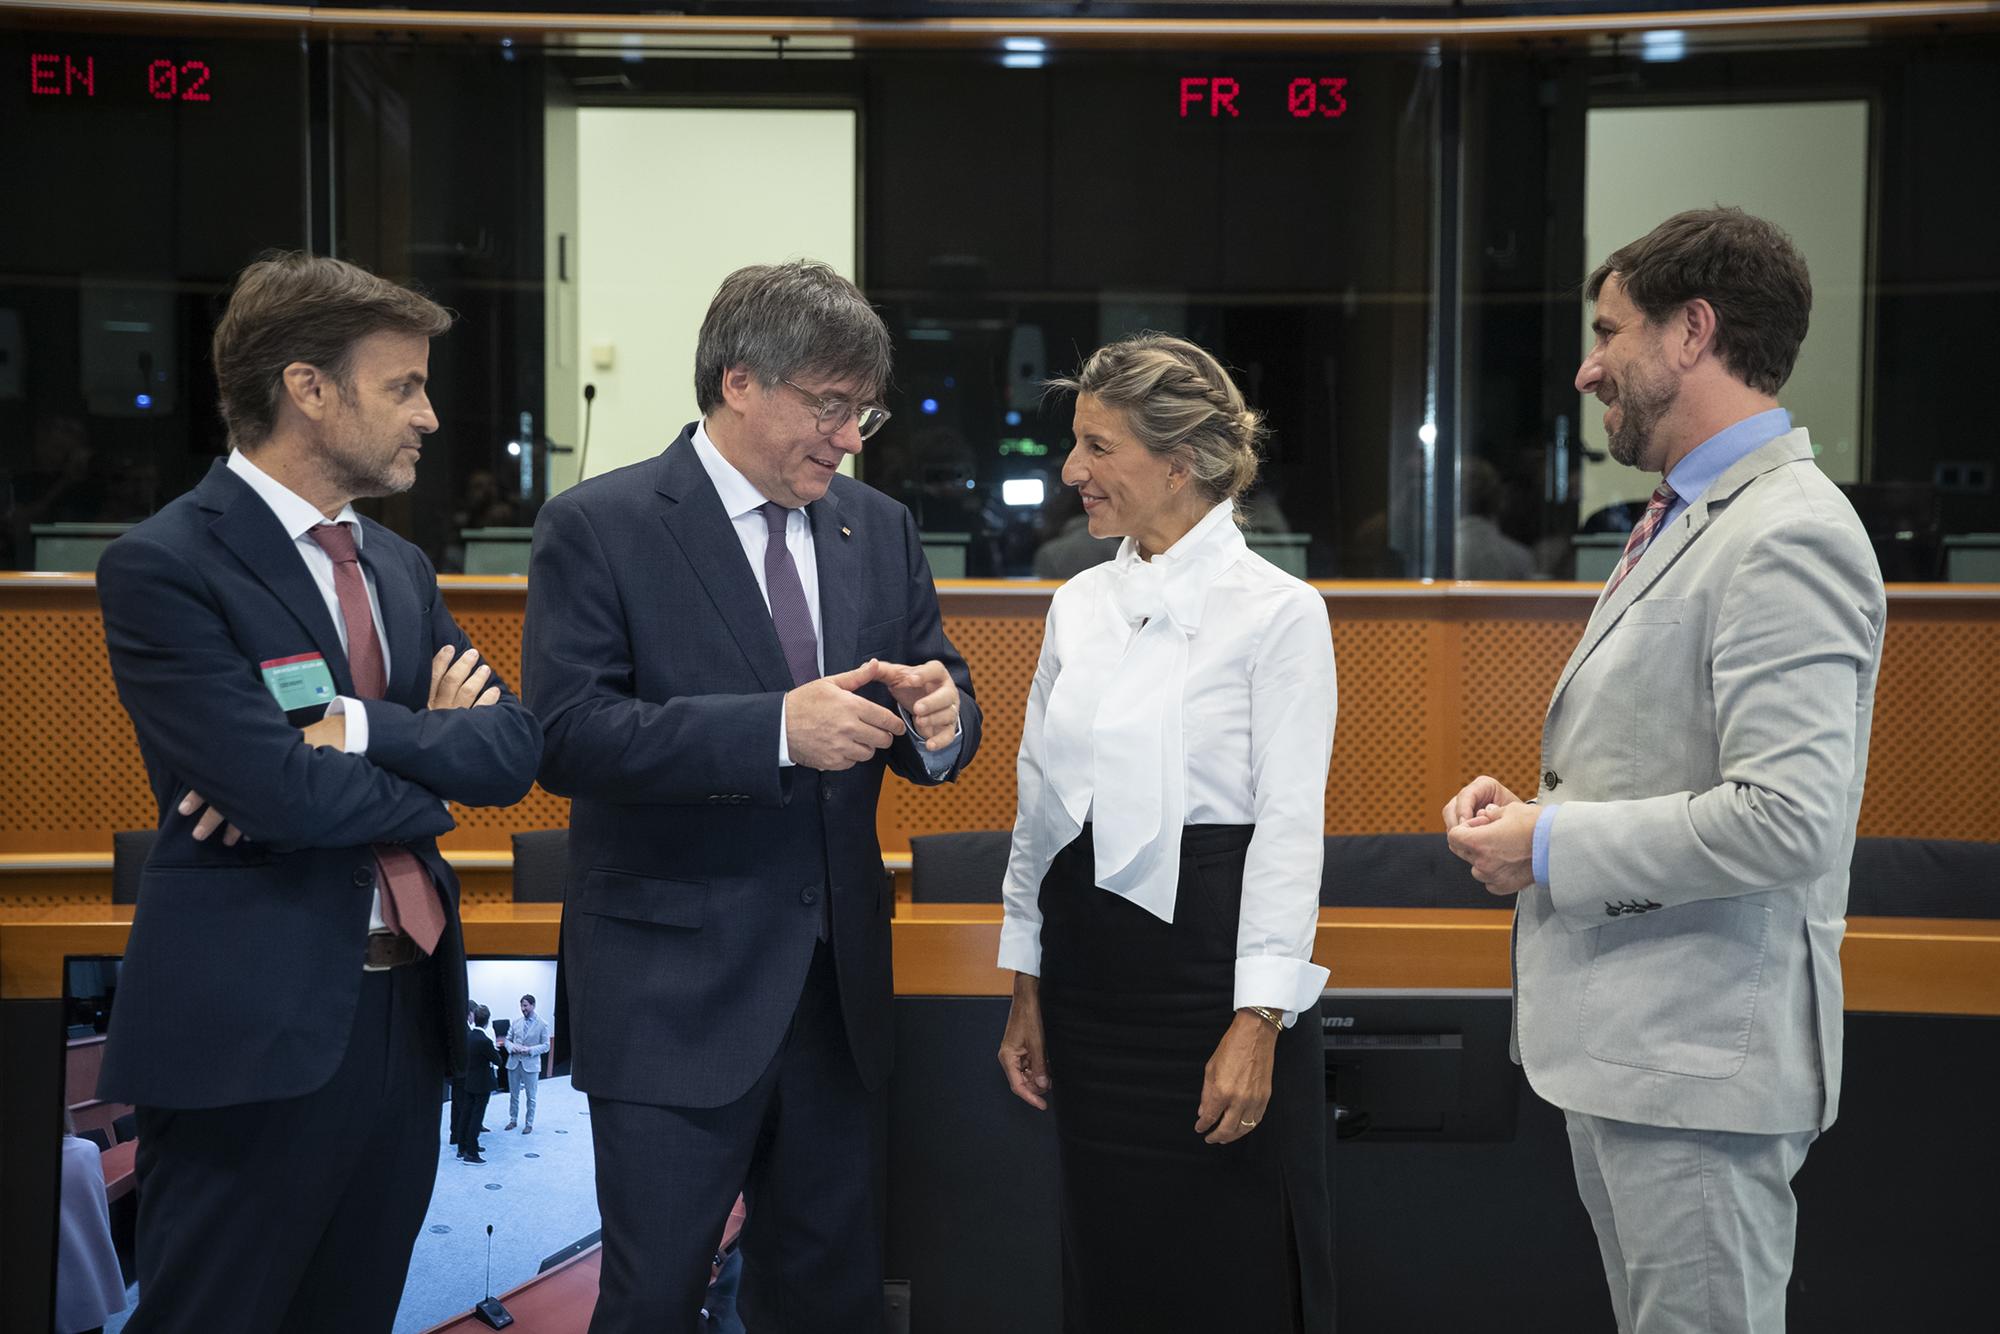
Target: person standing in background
475,1086
521,1052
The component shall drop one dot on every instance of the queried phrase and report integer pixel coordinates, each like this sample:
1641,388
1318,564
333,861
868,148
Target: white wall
559,293
1802,165
669,201
499,984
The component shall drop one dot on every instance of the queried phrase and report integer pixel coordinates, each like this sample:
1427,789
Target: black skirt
1162,1232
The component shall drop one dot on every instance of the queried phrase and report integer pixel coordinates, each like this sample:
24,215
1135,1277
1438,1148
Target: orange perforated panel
1001,649
1433,689
1391,700
1507,668
1934,758
492,621
71,772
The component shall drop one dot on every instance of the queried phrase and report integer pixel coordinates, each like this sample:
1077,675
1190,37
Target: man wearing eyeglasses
726,645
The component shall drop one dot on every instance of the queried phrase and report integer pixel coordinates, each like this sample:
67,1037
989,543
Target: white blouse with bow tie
1194,688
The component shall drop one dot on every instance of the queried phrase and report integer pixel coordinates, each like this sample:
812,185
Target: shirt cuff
357,723
1021,946
1279,983
1545,824
784,734
935,762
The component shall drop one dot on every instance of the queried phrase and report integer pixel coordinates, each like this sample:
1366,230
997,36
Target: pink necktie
410,901
1642,534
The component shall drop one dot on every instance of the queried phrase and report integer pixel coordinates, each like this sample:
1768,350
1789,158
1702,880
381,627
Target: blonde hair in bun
1179,401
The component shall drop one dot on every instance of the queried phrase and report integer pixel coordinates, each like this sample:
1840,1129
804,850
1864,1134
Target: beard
365,470
1642,400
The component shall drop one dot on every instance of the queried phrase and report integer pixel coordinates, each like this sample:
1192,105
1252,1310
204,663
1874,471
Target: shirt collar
1696,472
295,513
738,494
1219,520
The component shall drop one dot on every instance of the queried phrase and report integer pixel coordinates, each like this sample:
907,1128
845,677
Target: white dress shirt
1195,688
298,516
743,502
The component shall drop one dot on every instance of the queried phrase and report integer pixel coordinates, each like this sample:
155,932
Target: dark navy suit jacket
699,868
481,1057
244,966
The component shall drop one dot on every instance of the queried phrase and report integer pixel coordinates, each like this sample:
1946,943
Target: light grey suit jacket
1708,742
531,1034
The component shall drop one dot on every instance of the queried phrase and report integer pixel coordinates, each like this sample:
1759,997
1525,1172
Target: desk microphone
583,453
492,1311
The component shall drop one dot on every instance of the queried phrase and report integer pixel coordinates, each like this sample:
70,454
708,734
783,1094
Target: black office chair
126,1127
541,865
1398,871
129,850
1924,877
959,868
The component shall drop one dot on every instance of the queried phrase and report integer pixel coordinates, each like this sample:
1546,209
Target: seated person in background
1483,551
89,1288
471,1089
1072,550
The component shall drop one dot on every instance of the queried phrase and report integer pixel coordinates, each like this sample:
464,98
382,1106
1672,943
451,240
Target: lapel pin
845,531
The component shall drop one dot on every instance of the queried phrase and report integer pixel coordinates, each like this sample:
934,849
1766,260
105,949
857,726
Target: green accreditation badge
298,682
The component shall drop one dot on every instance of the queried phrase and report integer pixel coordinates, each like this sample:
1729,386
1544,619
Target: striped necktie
410,902
1643,534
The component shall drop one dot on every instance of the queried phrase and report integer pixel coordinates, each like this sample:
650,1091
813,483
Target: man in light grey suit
522,1048
1681,876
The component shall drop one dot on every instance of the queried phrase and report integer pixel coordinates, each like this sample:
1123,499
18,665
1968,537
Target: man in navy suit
719,643
474,1085
293,994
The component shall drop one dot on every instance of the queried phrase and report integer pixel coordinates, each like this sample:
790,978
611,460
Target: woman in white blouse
1163,887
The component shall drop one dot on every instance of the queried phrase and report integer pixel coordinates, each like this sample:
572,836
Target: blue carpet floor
546,1199
538,1191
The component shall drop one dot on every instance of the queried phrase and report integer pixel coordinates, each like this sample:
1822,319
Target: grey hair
798,320
1179,401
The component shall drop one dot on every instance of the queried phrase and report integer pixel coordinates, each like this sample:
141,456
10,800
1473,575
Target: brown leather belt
389,949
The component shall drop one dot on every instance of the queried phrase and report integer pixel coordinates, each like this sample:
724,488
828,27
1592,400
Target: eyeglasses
830,414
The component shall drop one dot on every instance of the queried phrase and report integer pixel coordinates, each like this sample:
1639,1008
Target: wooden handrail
1902,965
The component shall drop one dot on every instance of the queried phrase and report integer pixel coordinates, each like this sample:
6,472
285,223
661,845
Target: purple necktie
789,612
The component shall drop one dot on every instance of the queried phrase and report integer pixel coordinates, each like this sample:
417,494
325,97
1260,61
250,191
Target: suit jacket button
810,894
1551,780
363,877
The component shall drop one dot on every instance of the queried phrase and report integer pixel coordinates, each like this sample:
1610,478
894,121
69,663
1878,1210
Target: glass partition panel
1858,147
140,174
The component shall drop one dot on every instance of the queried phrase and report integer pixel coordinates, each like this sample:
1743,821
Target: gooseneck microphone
583,453
492,1311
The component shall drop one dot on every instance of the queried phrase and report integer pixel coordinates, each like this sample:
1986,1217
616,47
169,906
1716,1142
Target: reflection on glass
1278,206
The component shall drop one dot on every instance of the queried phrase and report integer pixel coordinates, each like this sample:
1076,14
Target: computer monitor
1419,1065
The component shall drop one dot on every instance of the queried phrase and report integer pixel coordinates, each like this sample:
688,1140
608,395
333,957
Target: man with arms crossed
522,1050
727,644
1681,877
305,706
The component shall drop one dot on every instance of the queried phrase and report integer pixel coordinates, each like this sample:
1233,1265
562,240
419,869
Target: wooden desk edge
1896,964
